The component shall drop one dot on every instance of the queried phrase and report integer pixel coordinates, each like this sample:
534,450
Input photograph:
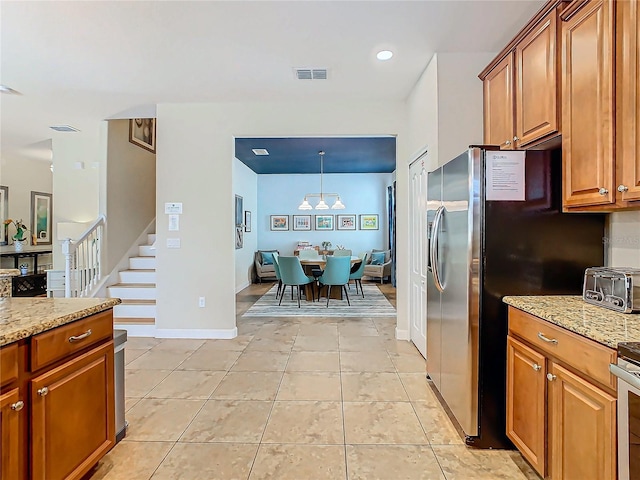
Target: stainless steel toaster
617,288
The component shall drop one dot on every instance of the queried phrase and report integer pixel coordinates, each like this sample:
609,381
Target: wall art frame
302,222
279,222
41,217
247,221
345,222
142,132
4,215
324,222
369,222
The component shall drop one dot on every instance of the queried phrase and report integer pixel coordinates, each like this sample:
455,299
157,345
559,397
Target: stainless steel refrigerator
481,250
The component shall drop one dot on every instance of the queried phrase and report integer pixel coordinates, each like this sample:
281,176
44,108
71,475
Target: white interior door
418,253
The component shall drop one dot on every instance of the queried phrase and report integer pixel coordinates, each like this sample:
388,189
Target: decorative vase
19,245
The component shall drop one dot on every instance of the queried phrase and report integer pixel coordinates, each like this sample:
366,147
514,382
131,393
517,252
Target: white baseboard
242,287
216,333
402,334
137,330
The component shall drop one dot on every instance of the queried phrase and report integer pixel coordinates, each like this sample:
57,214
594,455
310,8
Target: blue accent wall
362,193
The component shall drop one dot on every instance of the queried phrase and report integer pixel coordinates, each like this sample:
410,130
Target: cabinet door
525,402
582,426
12,444
72,418
536,83
588,104
498,105
628,126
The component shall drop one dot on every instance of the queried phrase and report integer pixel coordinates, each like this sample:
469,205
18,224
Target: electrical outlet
201,302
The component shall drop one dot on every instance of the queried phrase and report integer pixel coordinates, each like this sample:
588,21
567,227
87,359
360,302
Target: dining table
309,263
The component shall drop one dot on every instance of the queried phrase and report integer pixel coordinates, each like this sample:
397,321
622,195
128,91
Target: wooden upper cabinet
582,421
628,126
526,398
588,103
498,104
536,89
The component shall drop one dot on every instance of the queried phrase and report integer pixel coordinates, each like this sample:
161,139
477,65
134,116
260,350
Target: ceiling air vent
260,151
311,73
64,128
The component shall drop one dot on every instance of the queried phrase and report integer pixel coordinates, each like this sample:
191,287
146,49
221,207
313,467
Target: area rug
374,304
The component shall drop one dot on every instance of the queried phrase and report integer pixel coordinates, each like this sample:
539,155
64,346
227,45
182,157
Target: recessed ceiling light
384,55
8,90
260,151
64,128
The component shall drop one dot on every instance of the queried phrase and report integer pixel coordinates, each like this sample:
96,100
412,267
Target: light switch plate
173,243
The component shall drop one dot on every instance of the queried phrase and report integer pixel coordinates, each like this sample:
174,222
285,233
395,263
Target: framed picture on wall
302,222
142,132
279,222
4,214
346,222
247,221
324,222
369,222
41,217
238,211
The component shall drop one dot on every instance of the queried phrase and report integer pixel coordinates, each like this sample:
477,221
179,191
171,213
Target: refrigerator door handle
434,249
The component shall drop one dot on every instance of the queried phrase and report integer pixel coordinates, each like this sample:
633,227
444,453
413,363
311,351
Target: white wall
245,184
76,192
22,176
623,240
195,167
131,181
364,193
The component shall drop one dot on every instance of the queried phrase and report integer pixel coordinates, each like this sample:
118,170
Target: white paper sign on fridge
505,176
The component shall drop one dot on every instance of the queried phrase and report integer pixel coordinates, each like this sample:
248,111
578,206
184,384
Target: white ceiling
78,62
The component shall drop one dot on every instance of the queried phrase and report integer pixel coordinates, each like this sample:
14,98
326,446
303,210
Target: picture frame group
323,222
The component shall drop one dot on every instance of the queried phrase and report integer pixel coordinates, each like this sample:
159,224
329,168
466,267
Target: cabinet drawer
584,355
8,364
61,342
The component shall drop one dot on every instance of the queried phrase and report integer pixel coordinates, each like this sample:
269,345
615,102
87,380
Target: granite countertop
571,312
23,317
9,272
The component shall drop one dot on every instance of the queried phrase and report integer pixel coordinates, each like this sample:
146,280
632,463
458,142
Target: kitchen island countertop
23,317
571,312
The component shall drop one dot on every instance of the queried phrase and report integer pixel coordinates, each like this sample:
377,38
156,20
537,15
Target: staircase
137,289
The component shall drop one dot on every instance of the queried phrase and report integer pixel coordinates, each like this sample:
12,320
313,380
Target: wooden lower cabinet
11,441
526,392
72,422
582,422
561,404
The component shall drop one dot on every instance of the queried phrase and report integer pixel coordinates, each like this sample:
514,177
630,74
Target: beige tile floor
301,399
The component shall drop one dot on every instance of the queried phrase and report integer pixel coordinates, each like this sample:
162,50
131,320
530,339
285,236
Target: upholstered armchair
378,266
264,270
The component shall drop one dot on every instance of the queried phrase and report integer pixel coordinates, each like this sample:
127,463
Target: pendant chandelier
322,205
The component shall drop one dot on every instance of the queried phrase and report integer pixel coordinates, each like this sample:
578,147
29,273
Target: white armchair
381,270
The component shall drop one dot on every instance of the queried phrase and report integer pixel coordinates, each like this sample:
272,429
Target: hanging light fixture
322,205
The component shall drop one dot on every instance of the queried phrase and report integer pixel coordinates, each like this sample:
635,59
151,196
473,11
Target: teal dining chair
276,267
291,273
342,253
336,272
356,276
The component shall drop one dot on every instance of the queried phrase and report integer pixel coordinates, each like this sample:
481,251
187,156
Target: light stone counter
571,312
23,317
5,280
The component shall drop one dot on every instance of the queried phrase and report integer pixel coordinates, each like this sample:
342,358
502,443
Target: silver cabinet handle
537,367
551,377
80,337
19,405
541,336
603,191
508,142
515,139
43,391
622,188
